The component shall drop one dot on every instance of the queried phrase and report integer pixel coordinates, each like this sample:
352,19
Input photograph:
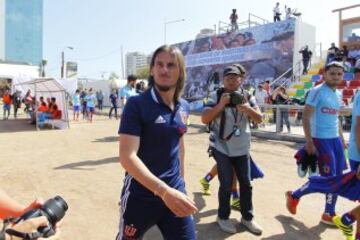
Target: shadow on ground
88,165
16,125
294,230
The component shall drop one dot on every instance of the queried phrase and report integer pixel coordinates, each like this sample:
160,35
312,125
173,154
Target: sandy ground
81,165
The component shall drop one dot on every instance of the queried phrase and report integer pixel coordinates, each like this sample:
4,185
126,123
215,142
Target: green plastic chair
300,93
307,85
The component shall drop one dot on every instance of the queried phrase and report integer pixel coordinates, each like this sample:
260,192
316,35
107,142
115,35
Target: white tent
48,88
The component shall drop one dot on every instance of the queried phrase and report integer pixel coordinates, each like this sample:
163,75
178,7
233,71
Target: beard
163,88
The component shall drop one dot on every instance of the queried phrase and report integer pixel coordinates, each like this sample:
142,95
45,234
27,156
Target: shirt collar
157,98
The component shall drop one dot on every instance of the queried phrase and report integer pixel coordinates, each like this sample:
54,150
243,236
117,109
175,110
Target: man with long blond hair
152,152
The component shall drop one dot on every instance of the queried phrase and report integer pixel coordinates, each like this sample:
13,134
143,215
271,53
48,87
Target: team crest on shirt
184,117
129,232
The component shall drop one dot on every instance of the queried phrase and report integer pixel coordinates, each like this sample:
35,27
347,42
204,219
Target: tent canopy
48,88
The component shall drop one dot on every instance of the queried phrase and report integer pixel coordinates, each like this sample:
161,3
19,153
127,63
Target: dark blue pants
225,166
138,214
331,160
113,107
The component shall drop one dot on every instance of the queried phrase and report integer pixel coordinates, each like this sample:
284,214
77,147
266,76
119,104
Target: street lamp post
63,60
169,22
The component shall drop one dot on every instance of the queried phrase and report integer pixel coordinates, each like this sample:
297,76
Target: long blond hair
181,63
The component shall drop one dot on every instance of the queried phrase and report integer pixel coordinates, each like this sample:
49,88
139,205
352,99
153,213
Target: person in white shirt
277,13
261,95
288,13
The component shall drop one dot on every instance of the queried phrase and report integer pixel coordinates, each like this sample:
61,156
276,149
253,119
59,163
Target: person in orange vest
7,104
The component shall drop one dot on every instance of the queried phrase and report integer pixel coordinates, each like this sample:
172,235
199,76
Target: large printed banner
265,51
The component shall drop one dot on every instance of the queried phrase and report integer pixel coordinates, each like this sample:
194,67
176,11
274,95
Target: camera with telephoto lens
53,209
236,98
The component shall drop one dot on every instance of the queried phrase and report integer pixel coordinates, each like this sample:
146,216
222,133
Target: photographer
229,109
280,97
11,208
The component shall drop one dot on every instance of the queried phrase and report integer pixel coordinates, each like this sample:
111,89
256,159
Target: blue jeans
225,166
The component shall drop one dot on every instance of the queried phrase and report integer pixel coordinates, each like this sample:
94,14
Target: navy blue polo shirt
160,130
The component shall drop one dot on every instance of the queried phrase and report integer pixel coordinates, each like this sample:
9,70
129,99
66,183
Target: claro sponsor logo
327,110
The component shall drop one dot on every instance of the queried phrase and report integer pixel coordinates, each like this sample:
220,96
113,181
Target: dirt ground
81,165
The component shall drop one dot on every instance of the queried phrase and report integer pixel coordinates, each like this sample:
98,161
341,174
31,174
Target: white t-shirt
276,10
260,96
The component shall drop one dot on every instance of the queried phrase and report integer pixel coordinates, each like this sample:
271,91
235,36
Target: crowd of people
85,100
38,110
349,56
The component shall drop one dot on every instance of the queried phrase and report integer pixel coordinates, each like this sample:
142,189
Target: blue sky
98,28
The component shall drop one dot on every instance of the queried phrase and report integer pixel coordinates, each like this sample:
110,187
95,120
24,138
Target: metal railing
276,116
281,80
253,20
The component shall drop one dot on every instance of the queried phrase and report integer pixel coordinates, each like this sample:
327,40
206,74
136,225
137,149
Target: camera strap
25,236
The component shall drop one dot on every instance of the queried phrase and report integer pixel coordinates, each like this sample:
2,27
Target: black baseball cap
334,64
235,69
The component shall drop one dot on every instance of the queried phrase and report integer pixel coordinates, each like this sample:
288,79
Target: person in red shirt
42,107
7,104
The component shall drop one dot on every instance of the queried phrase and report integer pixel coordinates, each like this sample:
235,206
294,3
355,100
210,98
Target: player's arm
176,201
308,113
341,135
182,156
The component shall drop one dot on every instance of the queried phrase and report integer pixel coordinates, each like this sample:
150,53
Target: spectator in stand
332,52
306,57
114,103
267,87
276,12
16,100
353,53
76,105
261,95
353,38
7,104
345,51
233,20
280,97
347,64
100,99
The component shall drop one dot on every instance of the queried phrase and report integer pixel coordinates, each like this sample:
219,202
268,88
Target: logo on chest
160,120
328,110
184,117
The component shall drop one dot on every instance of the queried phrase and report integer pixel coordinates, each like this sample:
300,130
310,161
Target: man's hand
180,204
244,108
225,99
31,225
310,148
